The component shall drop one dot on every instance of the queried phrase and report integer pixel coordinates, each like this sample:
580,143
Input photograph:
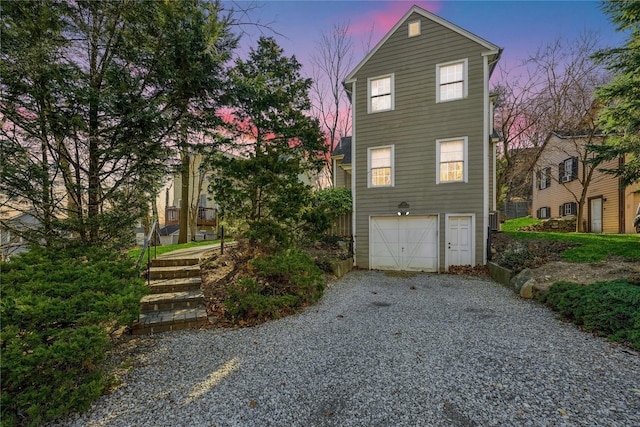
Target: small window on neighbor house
414,28
451,155
567,209
544,178
568,169
381,94
380,161
544,213
451,81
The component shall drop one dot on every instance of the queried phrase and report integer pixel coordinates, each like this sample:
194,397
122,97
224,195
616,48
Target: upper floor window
414,28
452,155
380,166
568,169
544,178
381,94
451,81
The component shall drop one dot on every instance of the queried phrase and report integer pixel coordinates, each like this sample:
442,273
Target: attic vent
414,28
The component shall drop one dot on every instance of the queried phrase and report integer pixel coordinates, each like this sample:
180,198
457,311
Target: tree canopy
273,143
95,97
620,116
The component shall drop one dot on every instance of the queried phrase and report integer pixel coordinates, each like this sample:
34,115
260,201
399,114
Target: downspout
352,96
485,154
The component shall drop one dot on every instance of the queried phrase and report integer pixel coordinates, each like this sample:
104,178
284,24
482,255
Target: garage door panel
403,243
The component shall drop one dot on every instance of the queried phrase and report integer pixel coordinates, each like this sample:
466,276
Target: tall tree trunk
184,193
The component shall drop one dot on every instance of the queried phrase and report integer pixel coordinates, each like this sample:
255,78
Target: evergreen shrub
58,308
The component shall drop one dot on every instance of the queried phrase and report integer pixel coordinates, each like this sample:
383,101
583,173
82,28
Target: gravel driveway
428,350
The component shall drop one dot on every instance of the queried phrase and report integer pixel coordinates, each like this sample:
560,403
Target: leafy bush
608,308
283,283
516,257
57,309
337,200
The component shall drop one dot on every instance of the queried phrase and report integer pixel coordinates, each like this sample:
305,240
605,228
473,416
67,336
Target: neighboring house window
381,94
544,213
203,201
544,179
380,166
568,169
414,28
567,209
451,155
451,81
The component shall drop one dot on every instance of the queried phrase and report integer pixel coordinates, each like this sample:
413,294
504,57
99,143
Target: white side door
595,209
459,243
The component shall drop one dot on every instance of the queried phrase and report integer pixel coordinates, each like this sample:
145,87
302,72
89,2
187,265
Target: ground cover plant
58,309
249,285
610,309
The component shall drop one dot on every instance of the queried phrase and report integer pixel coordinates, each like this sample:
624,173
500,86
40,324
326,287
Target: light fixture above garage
403,209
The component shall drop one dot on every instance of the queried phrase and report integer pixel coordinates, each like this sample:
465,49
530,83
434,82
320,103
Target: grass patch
159,250
591,247
609,309
514,224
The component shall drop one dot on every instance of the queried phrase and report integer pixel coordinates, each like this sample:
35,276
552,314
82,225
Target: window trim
571,207
465,158
417,21
392,93
544,212
391,163
563,176
465,79
544,178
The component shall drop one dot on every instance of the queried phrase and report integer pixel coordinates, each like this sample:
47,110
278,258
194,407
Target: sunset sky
520,27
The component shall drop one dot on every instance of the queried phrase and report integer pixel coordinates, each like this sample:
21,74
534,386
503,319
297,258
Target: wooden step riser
177,274
171,304
158,262
178,287
141,329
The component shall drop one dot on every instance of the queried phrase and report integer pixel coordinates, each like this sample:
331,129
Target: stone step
173,262
154,322
175,285
171,300
157,273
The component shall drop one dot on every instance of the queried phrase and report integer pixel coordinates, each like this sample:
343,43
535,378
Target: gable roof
492,49
343,149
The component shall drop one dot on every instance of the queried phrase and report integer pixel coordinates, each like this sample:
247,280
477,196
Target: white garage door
403,243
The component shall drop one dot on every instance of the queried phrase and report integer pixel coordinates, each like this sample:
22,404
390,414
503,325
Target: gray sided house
422,156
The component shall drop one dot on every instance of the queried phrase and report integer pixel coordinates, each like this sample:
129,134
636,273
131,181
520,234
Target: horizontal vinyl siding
415,125
601,185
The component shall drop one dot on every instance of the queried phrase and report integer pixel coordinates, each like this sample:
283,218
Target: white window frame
465,159
391,93
465,79
392,166
419,28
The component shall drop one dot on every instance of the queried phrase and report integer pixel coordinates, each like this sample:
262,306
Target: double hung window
380,91
451,81
380,166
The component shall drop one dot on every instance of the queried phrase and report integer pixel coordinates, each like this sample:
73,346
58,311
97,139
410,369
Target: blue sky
520,27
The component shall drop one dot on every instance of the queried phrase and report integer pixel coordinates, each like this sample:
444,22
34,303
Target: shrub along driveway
378,350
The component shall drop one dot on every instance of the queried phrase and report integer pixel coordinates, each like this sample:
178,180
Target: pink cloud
379,21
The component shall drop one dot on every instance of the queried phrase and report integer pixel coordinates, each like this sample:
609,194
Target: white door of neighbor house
459,240
404,243
595,210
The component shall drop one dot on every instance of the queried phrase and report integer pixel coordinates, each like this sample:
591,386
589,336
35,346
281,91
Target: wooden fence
341,226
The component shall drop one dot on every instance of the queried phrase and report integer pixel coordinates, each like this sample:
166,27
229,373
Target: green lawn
591,247
159,250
